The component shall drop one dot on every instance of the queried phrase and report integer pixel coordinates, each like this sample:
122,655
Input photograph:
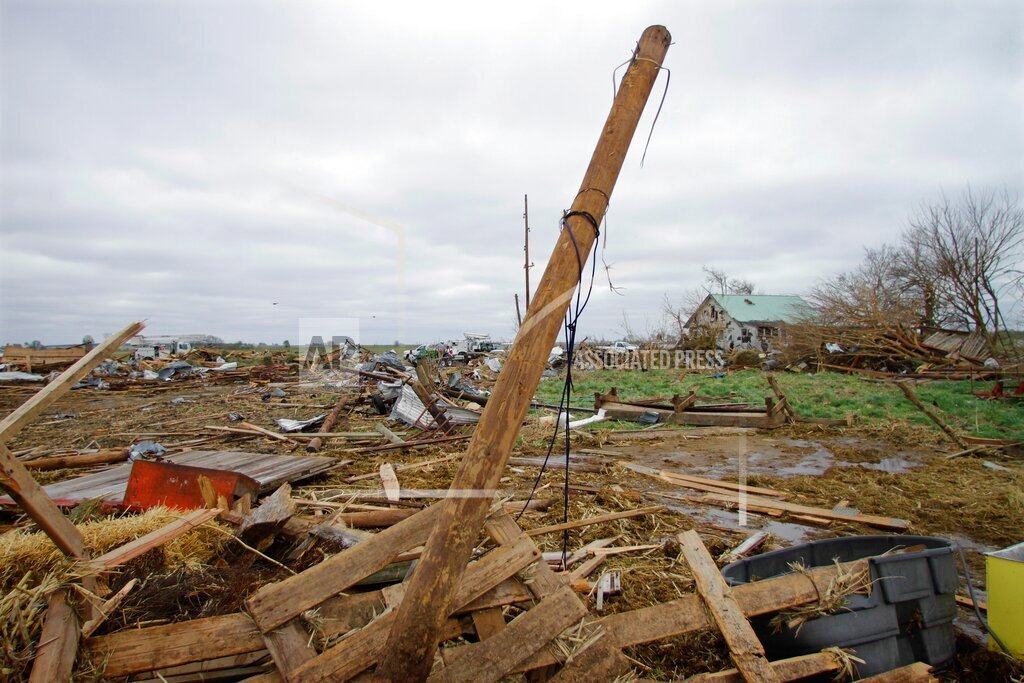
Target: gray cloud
196,163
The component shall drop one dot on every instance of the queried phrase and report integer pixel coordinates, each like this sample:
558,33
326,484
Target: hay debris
33,552
845,583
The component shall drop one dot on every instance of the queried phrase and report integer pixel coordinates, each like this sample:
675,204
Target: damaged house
748,321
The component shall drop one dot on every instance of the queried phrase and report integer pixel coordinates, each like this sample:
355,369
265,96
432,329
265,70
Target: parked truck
151,348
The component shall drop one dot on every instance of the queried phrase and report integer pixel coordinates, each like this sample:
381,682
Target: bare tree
973,249
719,280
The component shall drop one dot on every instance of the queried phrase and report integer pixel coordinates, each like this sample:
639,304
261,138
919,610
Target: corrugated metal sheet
967,345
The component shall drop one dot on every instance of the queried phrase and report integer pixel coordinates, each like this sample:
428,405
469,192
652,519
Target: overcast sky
196,163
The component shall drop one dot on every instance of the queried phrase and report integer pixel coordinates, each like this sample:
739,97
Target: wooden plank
328,424
601,661
745,649
153,539
414,637
276,603
390,435
58,643
33,500
491,659
687,614
488,622
367,645
266,432
290,648
158,647
792,669
13,423
768,503
388,478
109,605
403,468
599,519
686,480
918,672
61,462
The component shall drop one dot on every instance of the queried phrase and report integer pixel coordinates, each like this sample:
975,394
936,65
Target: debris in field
18,376
146,450
288,426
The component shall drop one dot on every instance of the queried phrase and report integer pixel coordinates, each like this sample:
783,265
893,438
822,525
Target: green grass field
828,394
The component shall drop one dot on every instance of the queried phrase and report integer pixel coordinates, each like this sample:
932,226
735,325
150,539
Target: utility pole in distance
526,249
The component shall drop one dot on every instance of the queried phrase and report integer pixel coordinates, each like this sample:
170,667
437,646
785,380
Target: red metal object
998,391
177,486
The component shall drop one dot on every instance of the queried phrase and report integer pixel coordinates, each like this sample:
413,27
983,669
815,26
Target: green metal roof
763,307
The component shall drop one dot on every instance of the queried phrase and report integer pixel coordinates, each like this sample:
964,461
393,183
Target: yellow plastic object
1004,582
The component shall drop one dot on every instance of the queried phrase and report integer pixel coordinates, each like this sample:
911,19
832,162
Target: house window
766,331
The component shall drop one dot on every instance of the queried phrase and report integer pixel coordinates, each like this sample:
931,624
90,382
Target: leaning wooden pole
414,636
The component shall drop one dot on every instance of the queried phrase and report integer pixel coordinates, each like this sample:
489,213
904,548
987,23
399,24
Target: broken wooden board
491,659
701,483
792,669
269,470
153,539
890,523
758,419
745,649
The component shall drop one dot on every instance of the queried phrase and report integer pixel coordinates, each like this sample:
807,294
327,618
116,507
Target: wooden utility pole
413,640
519,314
526,249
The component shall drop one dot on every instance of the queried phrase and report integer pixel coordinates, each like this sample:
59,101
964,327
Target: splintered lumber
419,620
918,672
403,468
912,397
411,444
13,475
376,519
11,425
601,661
488,622
157,647
892,523
388,478
388,434
687,614
491,659
599,519
84,460
33,500
153,539
58,642
266,432
277,603
745,649
792,669
290,647
332,418
361,650
700,483
89,627
270,517
749,545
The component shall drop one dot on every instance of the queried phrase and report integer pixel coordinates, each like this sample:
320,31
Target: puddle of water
894,465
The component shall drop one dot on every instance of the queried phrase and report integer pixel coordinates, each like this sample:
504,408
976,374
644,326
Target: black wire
569,328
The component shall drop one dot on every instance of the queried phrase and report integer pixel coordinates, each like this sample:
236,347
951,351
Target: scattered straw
25,551
22,610
845,583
